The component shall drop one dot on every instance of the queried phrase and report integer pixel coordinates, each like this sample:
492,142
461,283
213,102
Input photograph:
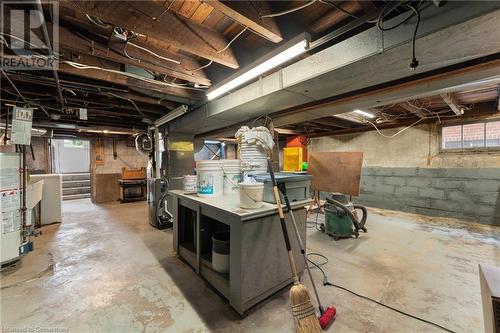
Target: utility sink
34,193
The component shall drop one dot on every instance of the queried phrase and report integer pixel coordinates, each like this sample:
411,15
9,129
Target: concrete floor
104,269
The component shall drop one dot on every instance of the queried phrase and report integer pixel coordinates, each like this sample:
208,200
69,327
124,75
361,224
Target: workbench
258,261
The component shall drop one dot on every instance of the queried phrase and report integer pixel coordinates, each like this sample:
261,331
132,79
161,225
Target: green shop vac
342,217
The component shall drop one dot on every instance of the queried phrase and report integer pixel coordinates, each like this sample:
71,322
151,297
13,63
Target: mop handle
282,221
302,248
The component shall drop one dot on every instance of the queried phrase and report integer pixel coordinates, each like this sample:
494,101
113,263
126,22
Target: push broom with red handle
326,316
302,307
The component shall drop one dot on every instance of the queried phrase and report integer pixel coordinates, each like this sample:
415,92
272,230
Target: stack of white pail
253,146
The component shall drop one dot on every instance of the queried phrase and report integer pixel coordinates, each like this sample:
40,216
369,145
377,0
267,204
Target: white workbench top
231,204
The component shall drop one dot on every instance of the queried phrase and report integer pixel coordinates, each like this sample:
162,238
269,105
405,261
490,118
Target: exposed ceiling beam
349,116
37,81
116,78
248,14
80,22
154,23
330,121
335,16
287,131
481,110
368,6
451,100
412,109
147,61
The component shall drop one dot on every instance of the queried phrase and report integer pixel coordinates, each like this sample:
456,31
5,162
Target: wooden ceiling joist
331,122
75,43
154,23
162,49
81,87
116,78
351,117
412,109
368,6
335,16
248,14
451,100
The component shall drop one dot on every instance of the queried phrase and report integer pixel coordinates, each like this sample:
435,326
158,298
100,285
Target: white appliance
10,206
489,277
50,207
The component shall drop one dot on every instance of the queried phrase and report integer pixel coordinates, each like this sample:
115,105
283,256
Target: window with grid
471,136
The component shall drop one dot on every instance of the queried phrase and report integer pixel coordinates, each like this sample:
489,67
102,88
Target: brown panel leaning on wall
336,171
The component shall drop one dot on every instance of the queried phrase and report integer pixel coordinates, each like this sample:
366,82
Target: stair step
76,190
75,176
76,196
75,183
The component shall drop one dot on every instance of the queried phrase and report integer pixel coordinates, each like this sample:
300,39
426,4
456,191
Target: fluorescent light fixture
212,142
364,113
280,58
106,131
177,112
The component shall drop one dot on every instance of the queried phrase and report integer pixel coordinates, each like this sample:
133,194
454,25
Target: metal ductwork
449,35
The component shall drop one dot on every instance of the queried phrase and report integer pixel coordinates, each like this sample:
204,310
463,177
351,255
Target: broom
302,307
328,315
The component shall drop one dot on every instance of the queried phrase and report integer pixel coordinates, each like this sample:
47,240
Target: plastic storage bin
297,186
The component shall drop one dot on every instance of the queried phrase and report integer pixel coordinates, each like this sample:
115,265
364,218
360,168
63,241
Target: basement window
471,136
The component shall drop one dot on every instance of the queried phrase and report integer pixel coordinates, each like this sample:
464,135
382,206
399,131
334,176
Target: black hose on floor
327,283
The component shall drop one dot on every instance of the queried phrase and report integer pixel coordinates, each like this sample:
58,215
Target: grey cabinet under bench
258,262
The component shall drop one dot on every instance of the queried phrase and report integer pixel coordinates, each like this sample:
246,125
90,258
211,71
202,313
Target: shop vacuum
342,218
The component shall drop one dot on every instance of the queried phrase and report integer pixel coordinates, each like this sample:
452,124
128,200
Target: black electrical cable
415,10
339,8
414,61
327,283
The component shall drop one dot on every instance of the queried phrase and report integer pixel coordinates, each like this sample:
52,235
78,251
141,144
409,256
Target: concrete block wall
469,194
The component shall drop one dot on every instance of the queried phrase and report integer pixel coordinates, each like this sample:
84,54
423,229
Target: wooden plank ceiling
130,62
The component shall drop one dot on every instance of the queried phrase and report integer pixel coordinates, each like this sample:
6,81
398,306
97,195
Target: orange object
298,141
133,173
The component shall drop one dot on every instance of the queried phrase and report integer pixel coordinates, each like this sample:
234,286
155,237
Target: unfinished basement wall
41,163
107,168
410,173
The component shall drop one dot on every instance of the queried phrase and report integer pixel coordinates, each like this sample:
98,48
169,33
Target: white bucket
232,176
253,158
210,178
189,184
251,195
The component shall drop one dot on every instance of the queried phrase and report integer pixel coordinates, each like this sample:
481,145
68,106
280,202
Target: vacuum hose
357,223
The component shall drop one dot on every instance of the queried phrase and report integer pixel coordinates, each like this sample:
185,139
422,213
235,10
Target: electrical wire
153,53
232,40
289,10
204,66
415,10
25,100
135,76
98,22
221,50
339,8
414,61
4,41
327,283
397,133
130,100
